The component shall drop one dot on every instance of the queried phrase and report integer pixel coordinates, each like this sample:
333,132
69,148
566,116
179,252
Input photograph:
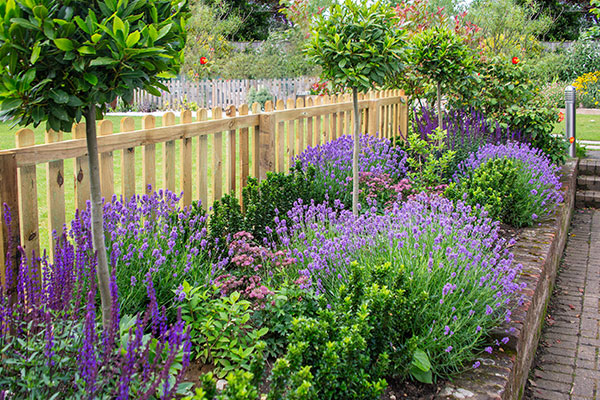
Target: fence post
266,157
9,238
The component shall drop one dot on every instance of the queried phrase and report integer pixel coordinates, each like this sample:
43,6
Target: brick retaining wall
502,375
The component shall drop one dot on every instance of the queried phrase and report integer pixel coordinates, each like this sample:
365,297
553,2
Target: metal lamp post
570,100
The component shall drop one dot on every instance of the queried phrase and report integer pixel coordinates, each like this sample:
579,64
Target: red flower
561,116
515,60
571,139
203,60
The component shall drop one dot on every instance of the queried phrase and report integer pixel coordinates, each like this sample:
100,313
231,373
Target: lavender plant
466,130
514,182
461,273
333,164
53,342
150,235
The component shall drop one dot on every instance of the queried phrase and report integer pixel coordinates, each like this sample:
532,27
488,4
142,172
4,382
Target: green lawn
587,127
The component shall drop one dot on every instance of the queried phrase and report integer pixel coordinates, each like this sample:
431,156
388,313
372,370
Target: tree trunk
356,135
102,270
439,104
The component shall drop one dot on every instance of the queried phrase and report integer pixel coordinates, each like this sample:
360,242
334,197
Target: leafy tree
509,28
359,47
443,56
64,60
567,18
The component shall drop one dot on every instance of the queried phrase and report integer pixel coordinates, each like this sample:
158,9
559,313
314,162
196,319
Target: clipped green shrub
514,183
260,96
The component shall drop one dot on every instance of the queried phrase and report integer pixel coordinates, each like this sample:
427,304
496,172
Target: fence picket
55,175
107,177
244,154
28,221
168,158
280,140
149,158
203,163
291,134
231,153
128,162
186,161
309,124
217,170
81,169
255,139
300,128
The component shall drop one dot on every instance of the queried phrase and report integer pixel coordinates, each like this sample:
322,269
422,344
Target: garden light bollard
570,100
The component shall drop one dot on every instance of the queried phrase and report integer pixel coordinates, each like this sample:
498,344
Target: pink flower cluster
249,286
245,253
381,189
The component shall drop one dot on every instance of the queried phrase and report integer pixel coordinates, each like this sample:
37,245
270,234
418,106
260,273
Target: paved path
567,364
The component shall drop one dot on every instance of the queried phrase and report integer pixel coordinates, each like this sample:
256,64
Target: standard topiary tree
444,57
64,60
359,47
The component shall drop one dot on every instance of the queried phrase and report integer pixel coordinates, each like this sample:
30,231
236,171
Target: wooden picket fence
216,155
219,93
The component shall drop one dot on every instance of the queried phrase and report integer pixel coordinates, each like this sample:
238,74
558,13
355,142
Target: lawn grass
587,127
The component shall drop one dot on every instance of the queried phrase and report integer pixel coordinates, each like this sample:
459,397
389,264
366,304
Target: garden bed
502,375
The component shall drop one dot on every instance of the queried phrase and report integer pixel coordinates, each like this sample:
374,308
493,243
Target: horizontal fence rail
184,93
200,158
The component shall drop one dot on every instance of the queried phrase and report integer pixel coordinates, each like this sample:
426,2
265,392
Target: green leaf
133,38
64,44
118,25
421,376
421,360
40,11
59,96
96,37
24,23
102,61
35,53
10,104
86,50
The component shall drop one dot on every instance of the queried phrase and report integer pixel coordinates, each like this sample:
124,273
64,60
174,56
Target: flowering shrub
461,274
332,163
514,182
588,89
52,343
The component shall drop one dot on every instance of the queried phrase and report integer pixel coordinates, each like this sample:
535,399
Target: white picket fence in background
219,93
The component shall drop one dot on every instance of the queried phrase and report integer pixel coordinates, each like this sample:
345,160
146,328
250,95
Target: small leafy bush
514,183
334,346
428,160
274,196
288,382
220,329
286,304
260,96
